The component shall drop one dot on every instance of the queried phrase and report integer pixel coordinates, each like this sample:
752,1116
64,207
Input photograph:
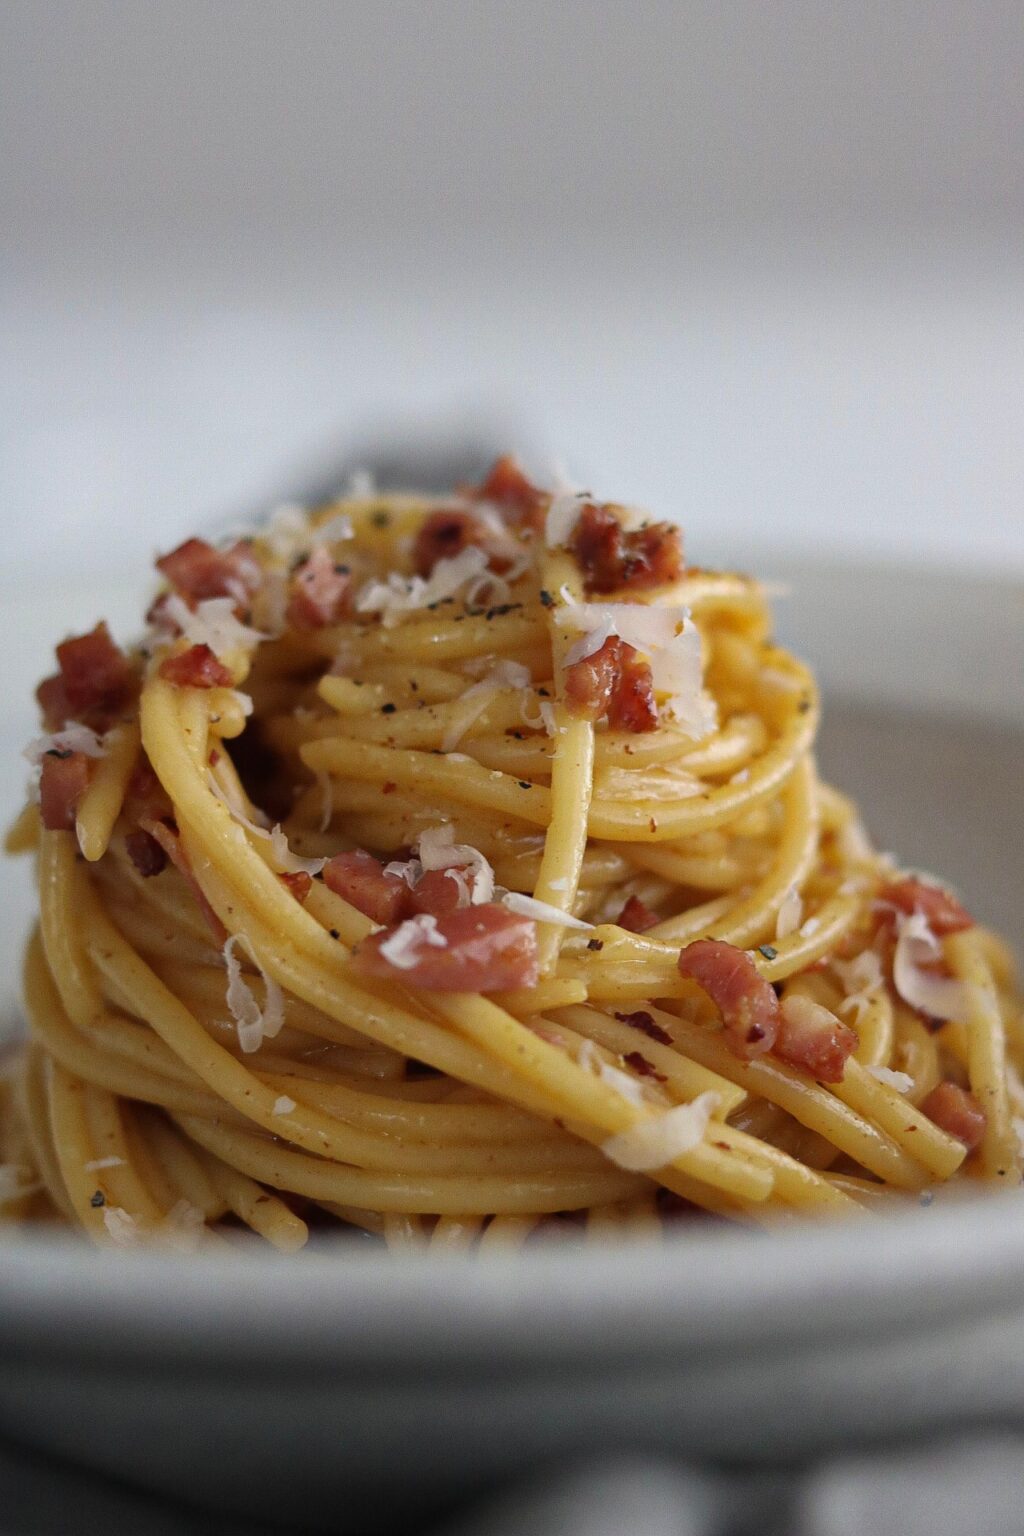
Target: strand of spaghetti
101,804
70,1130
430,640
572,782
802,1098
585,1098
36,1119
125,1184
264,1213
281,1167
986,1059
185,1168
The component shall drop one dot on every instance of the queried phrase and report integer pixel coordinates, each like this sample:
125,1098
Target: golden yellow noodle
453,1121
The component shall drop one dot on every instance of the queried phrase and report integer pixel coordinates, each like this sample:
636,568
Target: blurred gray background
755,265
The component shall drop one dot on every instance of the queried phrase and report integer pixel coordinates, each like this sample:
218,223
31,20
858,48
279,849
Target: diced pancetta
636,917
613,559
95,684
197,570
197,667
939,907
612,681
473,949
957,1112
63,780
358,878
319,591
746,1002
813,1040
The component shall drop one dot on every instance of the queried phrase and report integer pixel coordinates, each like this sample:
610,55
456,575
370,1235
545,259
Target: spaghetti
458,871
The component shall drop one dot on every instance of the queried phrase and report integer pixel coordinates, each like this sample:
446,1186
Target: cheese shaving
182,1228
122,1229
291,532
283,1105
861,977
790,913
73,738
562,516
659,1140
253,1023
901,1081
438,850
939,997
213,623
475,700
629,1087
97,1163
405,594
292,863
402,949
669,639
541,912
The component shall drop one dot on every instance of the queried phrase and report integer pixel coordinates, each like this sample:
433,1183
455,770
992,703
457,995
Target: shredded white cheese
289,862
540,911
405,594
940,997
505,674
404,947
562,516
659,1140
182,1228
122,1229
213,623
790,913
861,977
629,1087
669,639
73,738
253,1023
292,533
283,1105
438,850
901,1081
96,1163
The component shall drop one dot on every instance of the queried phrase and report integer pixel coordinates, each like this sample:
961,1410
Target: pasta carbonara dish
456,870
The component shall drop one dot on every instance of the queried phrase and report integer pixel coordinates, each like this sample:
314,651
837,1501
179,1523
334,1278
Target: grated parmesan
253,1023
901,1081
283,1105
659,1140
211,623
402,949
669,639
97,1163
73,738
540,911
790,913
122,1229
938,996
505,674
405,594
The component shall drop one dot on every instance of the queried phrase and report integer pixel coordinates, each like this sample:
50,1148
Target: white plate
344,1388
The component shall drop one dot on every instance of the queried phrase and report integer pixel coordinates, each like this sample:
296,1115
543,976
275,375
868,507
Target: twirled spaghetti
458,871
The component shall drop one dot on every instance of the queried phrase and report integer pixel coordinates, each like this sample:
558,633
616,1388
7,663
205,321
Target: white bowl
345,1388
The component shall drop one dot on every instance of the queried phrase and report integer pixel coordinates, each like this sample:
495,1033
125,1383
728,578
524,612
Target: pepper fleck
98,1199
381,519
525,784
595,944
768,950
388,709
334,933
546,598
